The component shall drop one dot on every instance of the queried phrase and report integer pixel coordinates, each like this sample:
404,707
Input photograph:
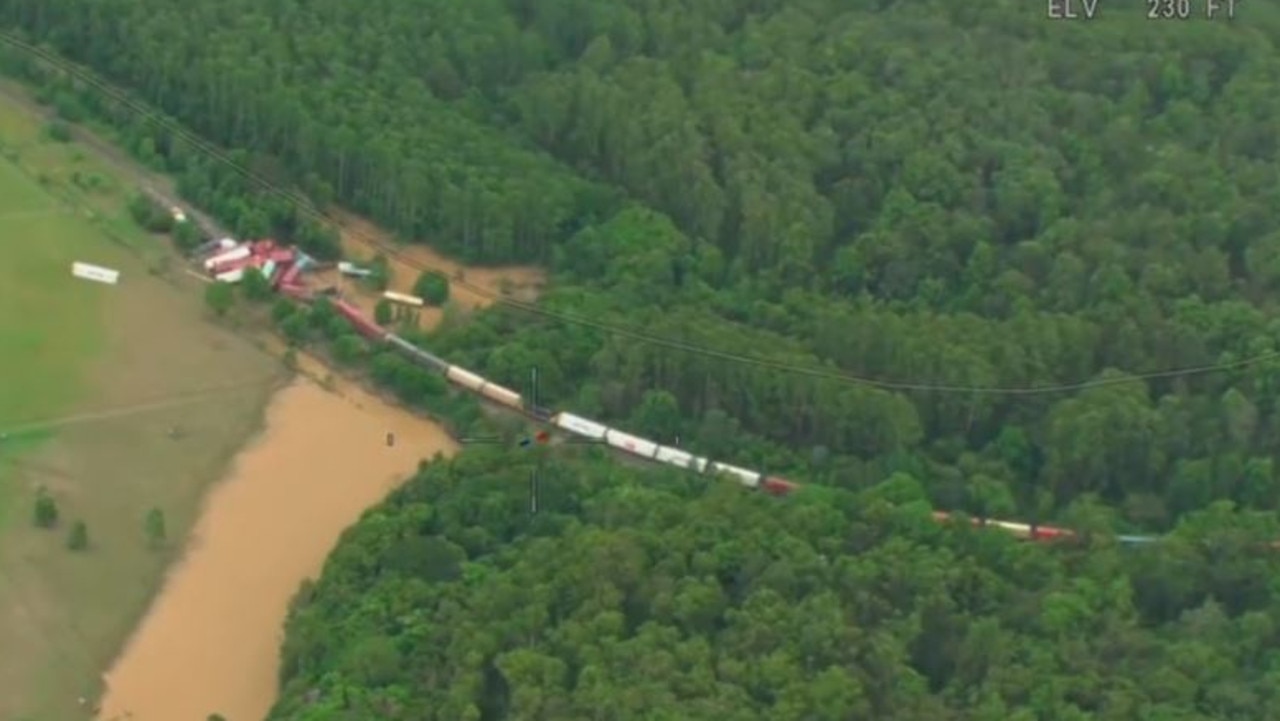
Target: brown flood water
210,642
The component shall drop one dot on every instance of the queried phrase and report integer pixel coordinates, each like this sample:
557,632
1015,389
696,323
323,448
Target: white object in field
236,254
346,268
178,215
227,243
95,273
402,298
630,443
269,269
748,478
465,378
232,276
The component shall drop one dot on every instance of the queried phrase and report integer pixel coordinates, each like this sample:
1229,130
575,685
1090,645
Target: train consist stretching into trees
285,278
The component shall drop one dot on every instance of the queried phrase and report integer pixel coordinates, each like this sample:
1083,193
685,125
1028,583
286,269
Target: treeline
381,143
928,194
789,135
640,595
1158,449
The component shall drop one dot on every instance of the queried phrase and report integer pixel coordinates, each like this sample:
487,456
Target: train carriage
631,444
501,395
464,378
680,459
579,426
420,356
363,325
746,476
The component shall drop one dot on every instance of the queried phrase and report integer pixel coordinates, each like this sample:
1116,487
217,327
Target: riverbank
97,380
247,680
211,642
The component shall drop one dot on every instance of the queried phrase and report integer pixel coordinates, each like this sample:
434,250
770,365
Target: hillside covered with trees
928,194
642,595
957,201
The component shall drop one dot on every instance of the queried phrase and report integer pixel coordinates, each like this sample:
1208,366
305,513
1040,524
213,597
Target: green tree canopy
432,287
219,297
637,594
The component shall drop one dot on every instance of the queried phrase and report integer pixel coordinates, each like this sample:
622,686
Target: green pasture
69,347
49,322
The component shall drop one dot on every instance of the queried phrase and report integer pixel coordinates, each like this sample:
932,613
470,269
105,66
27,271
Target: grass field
86,371
46,354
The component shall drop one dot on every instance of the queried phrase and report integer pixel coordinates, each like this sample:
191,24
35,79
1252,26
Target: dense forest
954,201
636,595
928,194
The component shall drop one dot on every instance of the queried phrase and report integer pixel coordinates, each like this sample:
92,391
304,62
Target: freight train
592,430
576,425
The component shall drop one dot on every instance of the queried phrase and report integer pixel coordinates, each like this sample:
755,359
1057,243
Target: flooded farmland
210,642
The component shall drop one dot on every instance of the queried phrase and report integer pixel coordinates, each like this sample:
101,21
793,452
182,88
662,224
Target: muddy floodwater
210,642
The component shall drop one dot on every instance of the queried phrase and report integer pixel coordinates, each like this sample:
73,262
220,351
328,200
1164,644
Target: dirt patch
210,643
523,283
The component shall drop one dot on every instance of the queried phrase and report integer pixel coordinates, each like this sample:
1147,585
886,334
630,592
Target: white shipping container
239,253
630,443
95,273
402,298
680,459
580,426
750,478
505,396
231,276
464,378
346,268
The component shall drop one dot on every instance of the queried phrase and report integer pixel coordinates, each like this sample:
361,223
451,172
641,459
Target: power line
305,207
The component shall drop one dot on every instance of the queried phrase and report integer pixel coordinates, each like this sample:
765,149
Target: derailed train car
363,325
